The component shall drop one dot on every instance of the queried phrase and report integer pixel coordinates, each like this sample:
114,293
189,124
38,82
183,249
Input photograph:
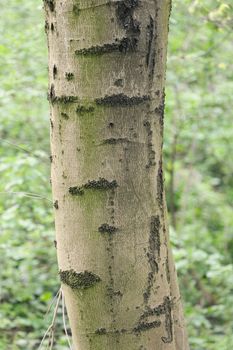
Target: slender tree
107,63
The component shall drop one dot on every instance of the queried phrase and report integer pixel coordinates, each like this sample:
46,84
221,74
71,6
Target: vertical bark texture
107,71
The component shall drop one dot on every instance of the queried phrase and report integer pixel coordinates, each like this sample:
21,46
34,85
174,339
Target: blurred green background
198,151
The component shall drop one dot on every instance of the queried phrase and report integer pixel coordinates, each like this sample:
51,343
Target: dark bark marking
160,184
151,51
51,123
46,26
121,100
50,4
167,269
101,331
62,99
125,17
104,331
168,321
124,12
54,71
151,152
163,309
119,83
81,109
55,244
64,115
69,76
143,326
55,204
76,9
154,243
105,228
76,191
153,255
51,158
160,111
100,184
114,141
120,45
81,280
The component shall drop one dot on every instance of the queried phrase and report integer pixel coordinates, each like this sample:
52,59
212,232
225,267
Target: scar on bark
115,141
151,152
100,184
160,184
120,45
154,244
151,51
160,111
153,255
64,115
62,99
69,76
105,228
163,309
125,16
121,100
81,280
55,204
50,4
54,71
143,326
82,109
103,331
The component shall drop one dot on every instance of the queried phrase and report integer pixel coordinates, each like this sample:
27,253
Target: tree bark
107,63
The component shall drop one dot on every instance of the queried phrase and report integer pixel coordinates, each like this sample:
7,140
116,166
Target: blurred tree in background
198,159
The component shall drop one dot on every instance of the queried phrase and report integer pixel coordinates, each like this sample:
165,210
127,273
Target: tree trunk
107,71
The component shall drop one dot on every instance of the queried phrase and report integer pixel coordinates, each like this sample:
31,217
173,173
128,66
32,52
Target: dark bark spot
76,9
153,255
124,12
46,26
163,309
119,83
100,184
151,51
143,326
120,45
50,4
64,115
81,280
69,76
160,184
54,71
81,109
60,99
121,100
151,152
55,204
101,331
160,111
105,228
114,141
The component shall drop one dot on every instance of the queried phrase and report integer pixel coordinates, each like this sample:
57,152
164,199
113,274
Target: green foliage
198,159
198,151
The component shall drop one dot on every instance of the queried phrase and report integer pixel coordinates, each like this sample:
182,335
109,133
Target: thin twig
64,319
51,327
50,305
28,194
